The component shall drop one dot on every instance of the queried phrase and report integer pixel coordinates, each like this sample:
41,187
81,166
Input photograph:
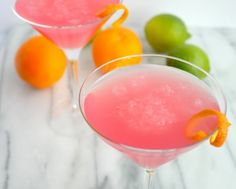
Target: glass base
67,123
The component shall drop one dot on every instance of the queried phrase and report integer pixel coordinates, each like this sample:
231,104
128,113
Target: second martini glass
150,111
70,25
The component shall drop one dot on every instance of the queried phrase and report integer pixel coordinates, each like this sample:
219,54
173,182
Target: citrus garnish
219,137
110,9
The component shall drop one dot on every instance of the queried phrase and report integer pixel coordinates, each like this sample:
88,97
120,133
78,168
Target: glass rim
59,27
143,150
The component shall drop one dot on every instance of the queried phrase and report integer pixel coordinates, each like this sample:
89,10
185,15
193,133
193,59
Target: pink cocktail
143,110
69,24
148,106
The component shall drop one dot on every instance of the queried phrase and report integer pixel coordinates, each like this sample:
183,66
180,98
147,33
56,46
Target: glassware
142,109
70,25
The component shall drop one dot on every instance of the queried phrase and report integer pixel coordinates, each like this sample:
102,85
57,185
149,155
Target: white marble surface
34,156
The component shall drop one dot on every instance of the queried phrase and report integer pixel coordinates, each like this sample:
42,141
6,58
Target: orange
116,42
39,62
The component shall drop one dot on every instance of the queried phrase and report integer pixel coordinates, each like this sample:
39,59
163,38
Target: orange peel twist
219,137
110,9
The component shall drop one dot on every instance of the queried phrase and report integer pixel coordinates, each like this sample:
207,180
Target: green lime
192,54
165,32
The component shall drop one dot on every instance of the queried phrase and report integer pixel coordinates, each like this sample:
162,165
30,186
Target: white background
212,13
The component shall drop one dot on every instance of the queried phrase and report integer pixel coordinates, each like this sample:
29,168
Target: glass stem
149,180
73,56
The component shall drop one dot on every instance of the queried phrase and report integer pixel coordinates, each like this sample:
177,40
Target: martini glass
143,109
70,25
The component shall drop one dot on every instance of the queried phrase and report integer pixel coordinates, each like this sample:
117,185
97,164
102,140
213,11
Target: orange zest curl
110,9
219,137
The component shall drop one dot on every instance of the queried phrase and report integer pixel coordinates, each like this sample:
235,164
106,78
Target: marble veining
7,160
35,156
